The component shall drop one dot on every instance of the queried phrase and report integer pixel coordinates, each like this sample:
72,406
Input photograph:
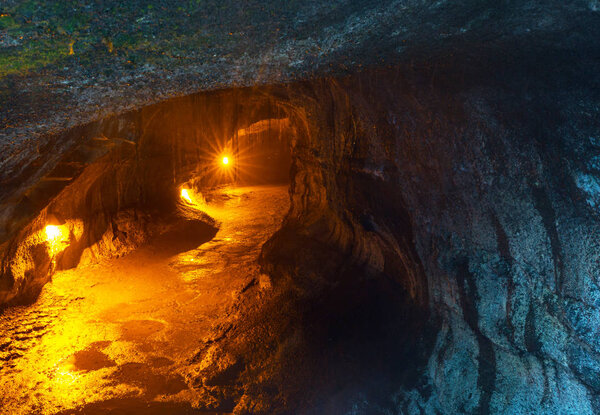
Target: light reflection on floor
123,330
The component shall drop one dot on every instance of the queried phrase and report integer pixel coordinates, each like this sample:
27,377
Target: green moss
8,22
32,57
152,31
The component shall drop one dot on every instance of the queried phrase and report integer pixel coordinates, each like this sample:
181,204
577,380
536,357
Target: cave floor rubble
117,336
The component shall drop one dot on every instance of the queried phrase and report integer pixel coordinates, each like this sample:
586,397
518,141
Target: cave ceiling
67,63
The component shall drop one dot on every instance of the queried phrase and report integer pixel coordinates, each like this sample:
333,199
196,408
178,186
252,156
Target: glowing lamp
185,195
56,238
225,160
52,233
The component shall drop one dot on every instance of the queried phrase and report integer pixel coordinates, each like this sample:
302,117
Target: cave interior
415,238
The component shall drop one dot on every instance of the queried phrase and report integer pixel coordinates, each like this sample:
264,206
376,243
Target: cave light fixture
52,233
225,166
185,195
57,235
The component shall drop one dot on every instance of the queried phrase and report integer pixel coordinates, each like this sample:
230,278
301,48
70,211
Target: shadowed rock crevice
544,207
393,163
486,358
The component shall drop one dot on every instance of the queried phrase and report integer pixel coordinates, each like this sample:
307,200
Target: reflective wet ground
118,336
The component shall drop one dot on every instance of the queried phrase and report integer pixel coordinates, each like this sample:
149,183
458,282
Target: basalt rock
478,198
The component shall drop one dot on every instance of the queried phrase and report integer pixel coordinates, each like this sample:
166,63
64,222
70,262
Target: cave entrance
149,249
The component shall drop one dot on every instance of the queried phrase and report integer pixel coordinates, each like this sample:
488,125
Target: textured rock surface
496,178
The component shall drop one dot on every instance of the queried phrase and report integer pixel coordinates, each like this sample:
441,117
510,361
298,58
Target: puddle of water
91,359
140,330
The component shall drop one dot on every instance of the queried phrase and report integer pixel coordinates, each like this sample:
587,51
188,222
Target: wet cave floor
118,336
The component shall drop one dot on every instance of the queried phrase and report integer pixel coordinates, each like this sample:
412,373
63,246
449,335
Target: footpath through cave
119,335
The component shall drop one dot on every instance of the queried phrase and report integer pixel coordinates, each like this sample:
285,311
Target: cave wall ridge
493,188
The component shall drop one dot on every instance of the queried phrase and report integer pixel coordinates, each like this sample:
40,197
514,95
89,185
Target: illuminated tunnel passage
146,254
208,256
408,224
125,177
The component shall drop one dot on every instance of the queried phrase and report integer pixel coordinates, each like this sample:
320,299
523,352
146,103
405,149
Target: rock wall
486,173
